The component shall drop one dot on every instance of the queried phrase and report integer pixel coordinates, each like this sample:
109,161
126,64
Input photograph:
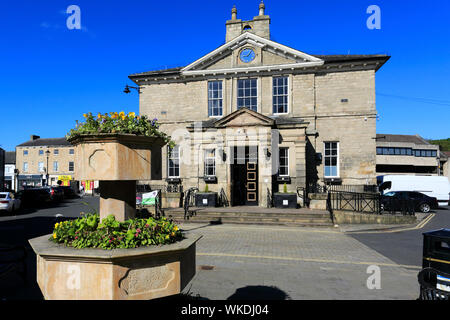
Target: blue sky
51,75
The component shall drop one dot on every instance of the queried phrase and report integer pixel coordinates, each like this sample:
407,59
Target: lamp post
47,153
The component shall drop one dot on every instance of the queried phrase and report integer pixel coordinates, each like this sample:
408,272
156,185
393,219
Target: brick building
254,114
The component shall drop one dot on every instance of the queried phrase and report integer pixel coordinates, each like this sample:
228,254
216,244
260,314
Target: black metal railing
189,201
170,188
354,201
314,187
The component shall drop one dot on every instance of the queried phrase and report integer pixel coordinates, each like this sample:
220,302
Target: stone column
118,198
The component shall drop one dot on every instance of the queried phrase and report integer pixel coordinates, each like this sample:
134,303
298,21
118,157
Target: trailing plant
89,232
118,122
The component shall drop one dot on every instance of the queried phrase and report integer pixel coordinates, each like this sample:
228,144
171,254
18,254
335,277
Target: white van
433,186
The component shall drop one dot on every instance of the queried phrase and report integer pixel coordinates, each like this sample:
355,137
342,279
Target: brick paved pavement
301,263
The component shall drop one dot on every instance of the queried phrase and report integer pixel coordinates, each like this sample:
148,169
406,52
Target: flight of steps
304,217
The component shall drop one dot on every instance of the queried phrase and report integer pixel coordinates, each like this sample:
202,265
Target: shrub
206,188
89,232
118,123
285,188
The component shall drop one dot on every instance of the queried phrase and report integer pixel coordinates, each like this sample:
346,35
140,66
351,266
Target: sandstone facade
328,99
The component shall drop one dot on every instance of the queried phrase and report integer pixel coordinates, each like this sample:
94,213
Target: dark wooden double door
244,176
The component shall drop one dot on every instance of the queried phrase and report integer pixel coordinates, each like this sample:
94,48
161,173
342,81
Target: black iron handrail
189,200
223,199
302,193
269,199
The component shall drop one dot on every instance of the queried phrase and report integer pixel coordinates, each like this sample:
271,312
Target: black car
33,197
408,201
69,192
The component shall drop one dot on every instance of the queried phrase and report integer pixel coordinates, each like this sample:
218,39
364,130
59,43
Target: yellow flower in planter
54,236
167,237
85,115
176,228
121,114
99,115
132,114
56,225
172,234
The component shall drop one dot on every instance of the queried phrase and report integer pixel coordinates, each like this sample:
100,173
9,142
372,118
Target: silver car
8,202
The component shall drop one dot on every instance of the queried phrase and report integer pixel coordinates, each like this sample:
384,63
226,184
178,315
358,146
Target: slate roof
416,139
46,142
10,157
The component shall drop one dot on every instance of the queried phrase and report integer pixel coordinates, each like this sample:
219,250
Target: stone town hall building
254,114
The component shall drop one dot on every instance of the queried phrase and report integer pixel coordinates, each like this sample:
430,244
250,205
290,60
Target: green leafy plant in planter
285,188
206,188
120,123
89,232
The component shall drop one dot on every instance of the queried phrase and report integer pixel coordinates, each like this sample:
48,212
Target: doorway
244,176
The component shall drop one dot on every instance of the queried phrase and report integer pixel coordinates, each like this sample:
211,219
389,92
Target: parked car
69,192
33,197
56,193
406,200
9,202
432,186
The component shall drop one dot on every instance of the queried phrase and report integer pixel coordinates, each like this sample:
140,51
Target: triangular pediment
274,56
244,117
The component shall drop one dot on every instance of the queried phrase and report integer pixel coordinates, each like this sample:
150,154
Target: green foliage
88,232
118,123
444,143
285,188
206,188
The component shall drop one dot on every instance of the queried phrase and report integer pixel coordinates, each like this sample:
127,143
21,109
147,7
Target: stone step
296,224
260,220
253,214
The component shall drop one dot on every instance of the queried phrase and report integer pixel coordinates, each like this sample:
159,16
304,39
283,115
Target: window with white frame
280,95
55,166
215,98
210,163
173,162
41,152
25,152
56,152
25,167
283,167
247,96
41,166
331,167
71,151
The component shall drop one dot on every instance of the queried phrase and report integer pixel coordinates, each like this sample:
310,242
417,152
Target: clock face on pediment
247,55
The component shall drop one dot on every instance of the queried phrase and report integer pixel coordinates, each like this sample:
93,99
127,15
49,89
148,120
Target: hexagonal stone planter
65,273
116,161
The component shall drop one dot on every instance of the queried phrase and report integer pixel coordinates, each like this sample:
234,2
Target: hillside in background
444,143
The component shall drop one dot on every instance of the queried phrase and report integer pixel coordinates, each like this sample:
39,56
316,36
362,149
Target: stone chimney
260,25
34,137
